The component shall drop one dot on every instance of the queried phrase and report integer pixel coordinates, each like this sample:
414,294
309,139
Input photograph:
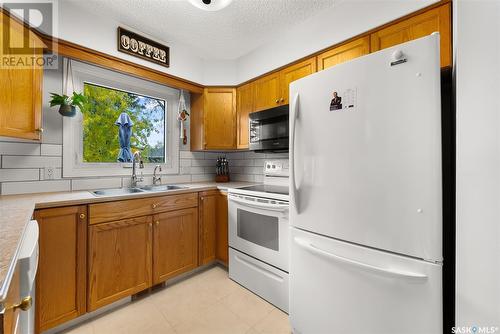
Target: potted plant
67,105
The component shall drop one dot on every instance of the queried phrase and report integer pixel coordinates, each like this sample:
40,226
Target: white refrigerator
366,195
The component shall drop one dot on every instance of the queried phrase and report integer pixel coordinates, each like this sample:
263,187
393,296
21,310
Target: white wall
346,19
477,75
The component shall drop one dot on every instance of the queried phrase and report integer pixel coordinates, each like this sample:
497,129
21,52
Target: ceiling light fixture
210,5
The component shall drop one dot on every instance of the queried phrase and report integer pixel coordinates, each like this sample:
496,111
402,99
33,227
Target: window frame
73,165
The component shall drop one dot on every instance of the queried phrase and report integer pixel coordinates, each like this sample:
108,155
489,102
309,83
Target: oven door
259,228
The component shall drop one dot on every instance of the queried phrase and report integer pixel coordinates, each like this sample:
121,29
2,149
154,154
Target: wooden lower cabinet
175,244
221,229
61,277
208,221
119,257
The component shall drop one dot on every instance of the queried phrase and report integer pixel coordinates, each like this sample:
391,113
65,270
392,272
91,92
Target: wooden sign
142,47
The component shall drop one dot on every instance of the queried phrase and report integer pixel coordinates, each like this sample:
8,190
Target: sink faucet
156,179
135,179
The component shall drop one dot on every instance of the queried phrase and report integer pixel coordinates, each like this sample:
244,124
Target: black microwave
268,130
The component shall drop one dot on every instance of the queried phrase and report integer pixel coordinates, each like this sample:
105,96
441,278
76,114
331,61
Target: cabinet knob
82,216
39,130
282,99
277,100
154,205
24,305
157,222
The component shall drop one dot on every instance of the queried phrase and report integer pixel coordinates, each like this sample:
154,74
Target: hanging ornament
182,117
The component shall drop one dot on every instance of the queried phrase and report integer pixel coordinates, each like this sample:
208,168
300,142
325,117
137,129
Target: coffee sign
142,47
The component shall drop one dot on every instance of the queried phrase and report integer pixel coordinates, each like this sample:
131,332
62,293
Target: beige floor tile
208,303
217,319
180,302
139,317
248,306
85,328
276,322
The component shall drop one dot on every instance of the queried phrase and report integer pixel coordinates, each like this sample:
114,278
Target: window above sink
90,139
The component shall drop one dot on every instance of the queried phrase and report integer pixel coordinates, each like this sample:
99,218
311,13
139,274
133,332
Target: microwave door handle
266,206
293,184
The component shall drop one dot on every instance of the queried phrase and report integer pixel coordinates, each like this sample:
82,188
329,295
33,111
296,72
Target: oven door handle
265,206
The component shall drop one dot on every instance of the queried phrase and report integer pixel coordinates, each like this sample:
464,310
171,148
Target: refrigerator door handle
388,272
293,185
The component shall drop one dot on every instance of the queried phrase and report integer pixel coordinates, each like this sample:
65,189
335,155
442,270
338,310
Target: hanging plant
67,105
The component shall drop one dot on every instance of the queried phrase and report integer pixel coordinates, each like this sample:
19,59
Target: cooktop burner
267,188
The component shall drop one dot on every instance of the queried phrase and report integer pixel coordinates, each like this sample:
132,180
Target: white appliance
28,265
259,236
365,195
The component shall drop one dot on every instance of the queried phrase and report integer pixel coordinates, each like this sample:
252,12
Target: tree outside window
100,134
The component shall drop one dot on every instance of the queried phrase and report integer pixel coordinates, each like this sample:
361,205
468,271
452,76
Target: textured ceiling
227,34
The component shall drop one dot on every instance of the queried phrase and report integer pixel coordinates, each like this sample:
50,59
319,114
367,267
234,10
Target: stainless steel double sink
126,191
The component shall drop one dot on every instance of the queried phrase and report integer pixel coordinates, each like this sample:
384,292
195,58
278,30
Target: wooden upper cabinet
119,260
21,93
267,92
344,52
295,72
437,19
61,278
208,222
175,243
220,119
244,107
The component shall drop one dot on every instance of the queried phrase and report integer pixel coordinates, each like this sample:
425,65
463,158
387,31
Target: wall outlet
49,173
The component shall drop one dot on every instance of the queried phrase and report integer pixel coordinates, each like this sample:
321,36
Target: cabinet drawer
104,212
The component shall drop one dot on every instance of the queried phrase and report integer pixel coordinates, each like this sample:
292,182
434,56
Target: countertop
16,211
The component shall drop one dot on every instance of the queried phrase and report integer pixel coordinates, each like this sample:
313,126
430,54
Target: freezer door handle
387,272
293,184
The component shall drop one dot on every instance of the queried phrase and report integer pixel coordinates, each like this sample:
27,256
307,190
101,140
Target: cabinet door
267,92
21,93
208,219
220,118
119,260
437,19
343,53
61,277
175,243
295,72
245,104
222,229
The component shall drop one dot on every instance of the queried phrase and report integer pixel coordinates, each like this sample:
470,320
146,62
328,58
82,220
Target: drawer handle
24,305
155,205
82,216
